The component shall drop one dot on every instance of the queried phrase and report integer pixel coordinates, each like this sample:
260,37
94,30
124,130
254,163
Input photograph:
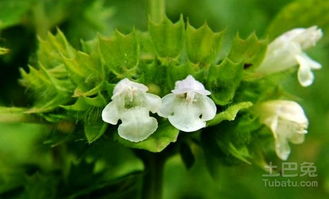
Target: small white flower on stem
131,104
287,121
188,107
286,51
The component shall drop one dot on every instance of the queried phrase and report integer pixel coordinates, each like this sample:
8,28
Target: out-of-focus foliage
308,15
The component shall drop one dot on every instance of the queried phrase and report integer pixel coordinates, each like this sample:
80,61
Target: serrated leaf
120,53
223,80
147,49
79,105
49,91
98,101
94,130
167,37
202,44
84,71
230,113
159,140
299,14
53,48
249,51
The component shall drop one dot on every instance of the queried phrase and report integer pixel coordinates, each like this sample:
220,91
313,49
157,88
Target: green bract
70,84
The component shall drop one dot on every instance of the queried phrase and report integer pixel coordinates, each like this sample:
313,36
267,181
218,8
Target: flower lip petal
187,117
137,125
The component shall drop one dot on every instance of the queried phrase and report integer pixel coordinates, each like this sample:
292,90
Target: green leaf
85,71
230,113
223,80
94,130
3,51
12,11
167,37
79,105
159,140
40,186
202,44
49,89
53,48
98,101
300,14
239,153
120,53
249,51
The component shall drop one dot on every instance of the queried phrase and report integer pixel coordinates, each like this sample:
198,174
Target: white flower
131,104
188,107
287,121
286,51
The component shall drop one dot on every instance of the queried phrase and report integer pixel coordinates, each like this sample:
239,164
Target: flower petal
137,125
208,108
297,138
168,105
282,148
189,84
280,56
152,102
125,85
111,114
307,37
186,116
290,111
305,74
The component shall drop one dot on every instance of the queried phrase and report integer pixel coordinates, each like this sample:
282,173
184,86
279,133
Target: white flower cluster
286,119
187,108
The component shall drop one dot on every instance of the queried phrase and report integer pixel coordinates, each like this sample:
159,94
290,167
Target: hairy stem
153,177
14,115
157,9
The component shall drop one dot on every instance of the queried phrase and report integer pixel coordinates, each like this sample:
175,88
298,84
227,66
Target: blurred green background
23,148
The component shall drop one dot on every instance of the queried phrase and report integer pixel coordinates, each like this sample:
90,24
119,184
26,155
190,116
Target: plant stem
157,10
14,115
152,180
